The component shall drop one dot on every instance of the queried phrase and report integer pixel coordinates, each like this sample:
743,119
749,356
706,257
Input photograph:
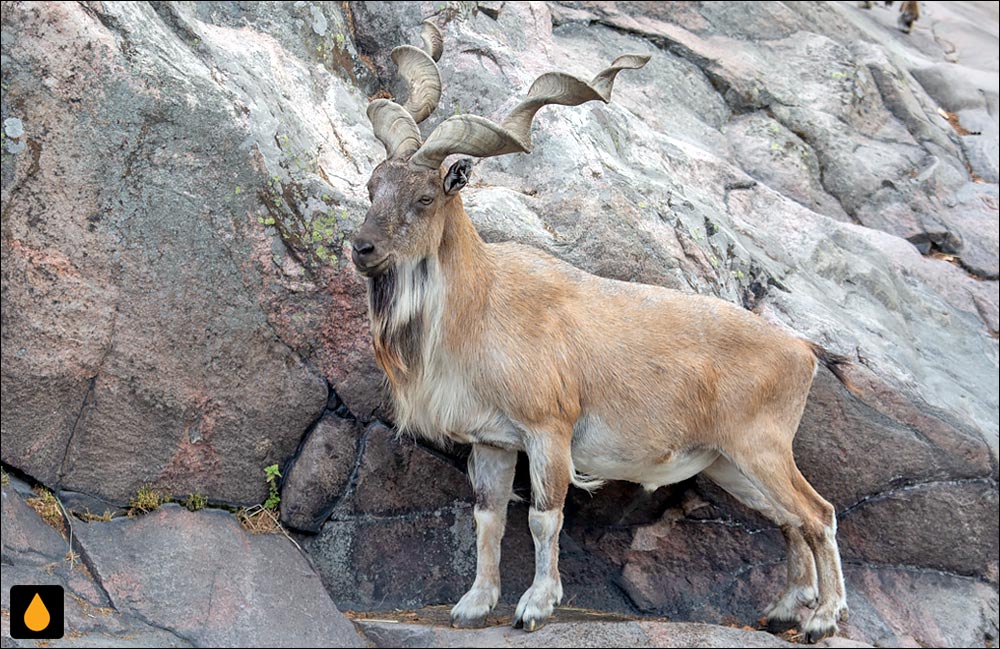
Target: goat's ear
457,176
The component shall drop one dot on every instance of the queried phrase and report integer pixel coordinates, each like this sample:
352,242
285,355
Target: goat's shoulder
519,259
529,276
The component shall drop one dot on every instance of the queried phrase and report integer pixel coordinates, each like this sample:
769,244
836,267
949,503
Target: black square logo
36,612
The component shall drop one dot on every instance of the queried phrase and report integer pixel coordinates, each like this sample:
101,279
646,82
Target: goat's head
406,217
409,194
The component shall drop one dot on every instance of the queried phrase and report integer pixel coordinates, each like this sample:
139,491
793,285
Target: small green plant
196,502
263,518
271,474
145,500
4,478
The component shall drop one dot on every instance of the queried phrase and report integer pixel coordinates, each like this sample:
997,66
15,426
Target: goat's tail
836,364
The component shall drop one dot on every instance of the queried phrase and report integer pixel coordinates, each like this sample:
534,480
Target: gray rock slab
208,580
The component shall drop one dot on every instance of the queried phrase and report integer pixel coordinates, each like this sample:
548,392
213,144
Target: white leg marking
472,609
546,590
492,472
833,605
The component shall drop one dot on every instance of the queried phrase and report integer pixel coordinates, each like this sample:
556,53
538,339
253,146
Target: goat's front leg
549,459
492,473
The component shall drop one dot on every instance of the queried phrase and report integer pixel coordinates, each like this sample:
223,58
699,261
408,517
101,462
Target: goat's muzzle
367,258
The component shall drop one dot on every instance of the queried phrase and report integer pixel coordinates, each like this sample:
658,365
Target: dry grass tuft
259,520
956,124
46,505
90,517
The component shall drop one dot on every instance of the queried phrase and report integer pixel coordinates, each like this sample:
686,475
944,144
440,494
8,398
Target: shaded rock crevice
900,489
321,475
918,570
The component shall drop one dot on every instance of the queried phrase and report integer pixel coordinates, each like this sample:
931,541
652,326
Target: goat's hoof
814,636
461,622
531,624
822,624
536,607
471,610
786,610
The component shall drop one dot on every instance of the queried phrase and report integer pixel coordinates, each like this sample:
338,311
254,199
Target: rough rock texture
400,533
178,180
135,348
580,634
172,578
272,597
34,553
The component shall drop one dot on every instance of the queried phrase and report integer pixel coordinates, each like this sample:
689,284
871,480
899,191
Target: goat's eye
426,200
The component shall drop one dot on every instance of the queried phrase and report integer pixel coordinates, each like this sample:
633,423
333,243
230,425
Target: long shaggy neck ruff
427,315
404,307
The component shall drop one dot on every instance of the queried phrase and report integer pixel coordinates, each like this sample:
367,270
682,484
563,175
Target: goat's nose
363,248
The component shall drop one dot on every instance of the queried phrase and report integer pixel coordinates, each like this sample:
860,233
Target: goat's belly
600,453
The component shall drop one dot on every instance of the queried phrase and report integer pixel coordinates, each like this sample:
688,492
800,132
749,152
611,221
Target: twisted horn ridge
394,125
433,40
423,79
480,137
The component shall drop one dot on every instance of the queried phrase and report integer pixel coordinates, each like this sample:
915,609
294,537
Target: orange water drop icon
36,617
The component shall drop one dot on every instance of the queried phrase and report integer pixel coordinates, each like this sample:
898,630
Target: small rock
319,22
319,474
13,127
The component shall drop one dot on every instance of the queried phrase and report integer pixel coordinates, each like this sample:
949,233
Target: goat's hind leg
492,473
821,535
774,473
800,590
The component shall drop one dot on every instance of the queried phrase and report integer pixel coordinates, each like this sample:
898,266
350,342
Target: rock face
136,344
171,579
179,179
401,532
